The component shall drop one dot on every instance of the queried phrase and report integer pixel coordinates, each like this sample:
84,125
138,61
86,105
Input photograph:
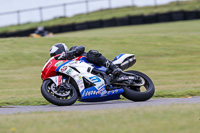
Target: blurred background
22,11
21,18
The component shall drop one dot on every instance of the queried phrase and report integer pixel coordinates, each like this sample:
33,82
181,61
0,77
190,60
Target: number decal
95,79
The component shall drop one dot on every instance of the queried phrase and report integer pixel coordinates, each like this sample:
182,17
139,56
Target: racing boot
113,69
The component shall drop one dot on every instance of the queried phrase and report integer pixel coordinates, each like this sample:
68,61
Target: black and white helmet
58,48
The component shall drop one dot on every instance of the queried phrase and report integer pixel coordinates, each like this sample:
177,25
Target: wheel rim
58,92
143,88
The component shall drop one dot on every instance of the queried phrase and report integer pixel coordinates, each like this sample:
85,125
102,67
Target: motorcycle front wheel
134,93
57,96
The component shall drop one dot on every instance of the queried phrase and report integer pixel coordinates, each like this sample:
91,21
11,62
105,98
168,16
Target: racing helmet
58,48
40,28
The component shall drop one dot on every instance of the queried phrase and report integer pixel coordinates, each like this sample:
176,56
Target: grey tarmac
98,105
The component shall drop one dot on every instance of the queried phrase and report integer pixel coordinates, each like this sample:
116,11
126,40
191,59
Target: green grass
155,119
168,53
106,14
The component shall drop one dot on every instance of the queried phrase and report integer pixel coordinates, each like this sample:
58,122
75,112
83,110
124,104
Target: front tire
55,98
133,94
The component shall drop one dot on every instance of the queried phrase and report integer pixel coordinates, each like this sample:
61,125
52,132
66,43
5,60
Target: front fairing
50,67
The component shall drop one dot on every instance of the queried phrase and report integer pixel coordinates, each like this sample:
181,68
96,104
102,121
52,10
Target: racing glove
70,55
67,56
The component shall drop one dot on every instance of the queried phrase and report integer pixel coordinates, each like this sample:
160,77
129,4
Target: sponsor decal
63,68
100,87
48,65
102,91
81,86
75,75
59,80
112,92
79,77
79,81
58,63
89,93
69,71
73,62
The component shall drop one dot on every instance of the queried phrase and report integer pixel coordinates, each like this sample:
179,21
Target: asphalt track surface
98,105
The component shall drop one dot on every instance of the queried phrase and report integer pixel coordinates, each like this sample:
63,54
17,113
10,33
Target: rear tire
134,94
56,99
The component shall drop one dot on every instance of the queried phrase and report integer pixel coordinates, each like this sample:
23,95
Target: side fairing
67,70
80,71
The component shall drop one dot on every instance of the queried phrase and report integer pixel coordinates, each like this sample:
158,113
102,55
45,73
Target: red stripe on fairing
59,80
78,58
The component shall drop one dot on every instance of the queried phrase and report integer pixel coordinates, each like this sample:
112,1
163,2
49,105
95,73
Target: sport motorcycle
66,81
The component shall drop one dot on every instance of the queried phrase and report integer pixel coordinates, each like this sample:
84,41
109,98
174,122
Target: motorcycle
48,34
66,81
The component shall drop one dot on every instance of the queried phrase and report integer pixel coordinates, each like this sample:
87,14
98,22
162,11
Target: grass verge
165,119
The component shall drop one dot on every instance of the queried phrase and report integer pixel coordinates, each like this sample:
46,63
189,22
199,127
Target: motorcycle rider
41,31
92,56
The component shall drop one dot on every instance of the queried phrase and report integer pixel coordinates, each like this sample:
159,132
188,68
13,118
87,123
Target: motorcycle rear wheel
132,93
56,99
